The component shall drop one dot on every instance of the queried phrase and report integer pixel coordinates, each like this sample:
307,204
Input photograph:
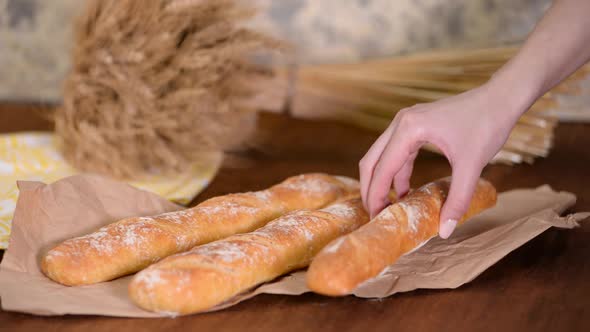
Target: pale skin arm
471,128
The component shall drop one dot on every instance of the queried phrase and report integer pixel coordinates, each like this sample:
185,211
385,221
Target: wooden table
543,286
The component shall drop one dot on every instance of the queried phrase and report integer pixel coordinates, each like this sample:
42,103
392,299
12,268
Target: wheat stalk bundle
154,85
368,94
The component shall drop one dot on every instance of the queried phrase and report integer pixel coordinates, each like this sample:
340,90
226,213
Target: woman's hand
469,129
472,127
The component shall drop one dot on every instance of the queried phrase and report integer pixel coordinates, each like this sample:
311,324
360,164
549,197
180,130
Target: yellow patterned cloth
32,156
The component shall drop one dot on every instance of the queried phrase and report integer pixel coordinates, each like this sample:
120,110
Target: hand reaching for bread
469,129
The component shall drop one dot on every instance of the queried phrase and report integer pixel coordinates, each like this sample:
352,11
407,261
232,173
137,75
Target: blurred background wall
35,35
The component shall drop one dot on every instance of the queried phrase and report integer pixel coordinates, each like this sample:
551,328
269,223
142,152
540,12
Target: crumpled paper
48,214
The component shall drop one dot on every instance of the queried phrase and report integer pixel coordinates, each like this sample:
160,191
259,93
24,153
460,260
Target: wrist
515,91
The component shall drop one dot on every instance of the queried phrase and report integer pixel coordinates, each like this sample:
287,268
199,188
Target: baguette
401,227
210,274
131,244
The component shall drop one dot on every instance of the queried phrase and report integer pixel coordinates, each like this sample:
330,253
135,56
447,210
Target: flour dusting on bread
310,184
227,208
385,214
225,251
349,182
149,277
334,246
99,241
176,217
263,195
414,214
295,222
341,210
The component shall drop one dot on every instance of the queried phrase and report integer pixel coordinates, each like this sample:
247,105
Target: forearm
558,46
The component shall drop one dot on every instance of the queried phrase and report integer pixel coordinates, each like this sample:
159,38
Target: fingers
389,164
464,179
368,162
402,145
401,181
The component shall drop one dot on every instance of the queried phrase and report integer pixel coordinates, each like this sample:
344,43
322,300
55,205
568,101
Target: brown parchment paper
48,214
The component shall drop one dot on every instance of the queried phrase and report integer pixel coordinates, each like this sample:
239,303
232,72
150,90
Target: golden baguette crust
401,227
132,244
211,274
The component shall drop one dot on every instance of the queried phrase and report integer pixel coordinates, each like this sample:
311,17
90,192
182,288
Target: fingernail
447,228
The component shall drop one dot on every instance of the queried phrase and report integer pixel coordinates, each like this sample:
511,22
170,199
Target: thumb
463,182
